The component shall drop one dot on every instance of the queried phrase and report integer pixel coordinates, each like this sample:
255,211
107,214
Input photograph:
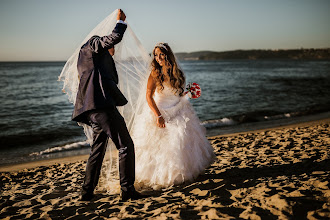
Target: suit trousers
109,124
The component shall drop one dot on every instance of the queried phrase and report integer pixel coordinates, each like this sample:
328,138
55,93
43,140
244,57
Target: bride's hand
161,122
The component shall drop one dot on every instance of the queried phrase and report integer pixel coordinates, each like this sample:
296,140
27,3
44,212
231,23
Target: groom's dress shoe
133,195
87,197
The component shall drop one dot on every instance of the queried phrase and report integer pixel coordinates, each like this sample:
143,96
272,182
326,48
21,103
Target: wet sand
276,173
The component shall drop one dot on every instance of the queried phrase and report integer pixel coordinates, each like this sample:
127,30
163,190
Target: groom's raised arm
100,44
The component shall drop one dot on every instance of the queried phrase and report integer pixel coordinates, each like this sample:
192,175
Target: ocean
237,95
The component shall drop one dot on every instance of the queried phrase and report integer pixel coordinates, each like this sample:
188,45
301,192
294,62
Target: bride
170,144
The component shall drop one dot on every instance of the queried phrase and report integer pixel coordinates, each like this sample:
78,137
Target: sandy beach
276,173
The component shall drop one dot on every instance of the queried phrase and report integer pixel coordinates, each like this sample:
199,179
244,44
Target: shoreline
71,159
268,124
39,163
277,127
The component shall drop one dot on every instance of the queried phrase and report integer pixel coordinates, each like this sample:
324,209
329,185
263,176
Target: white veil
132,63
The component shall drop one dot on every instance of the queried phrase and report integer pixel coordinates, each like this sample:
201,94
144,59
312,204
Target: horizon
39,30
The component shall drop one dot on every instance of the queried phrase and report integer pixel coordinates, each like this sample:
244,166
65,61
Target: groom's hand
121,15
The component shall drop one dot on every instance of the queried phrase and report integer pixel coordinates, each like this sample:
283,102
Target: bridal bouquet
194,90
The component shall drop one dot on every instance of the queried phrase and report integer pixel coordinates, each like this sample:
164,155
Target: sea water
36,115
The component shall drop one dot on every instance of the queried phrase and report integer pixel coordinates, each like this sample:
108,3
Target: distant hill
294,54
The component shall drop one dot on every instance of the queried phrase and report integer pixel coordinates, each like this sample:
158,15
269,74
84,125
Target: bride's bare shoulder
151,80
151,83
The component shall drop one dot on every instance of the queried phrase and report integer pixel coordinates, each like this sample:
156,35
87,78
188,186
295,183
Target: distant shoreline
253,54
291,54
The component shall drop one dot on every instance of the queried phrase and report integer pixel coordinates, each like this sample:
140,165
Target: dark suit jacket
98,76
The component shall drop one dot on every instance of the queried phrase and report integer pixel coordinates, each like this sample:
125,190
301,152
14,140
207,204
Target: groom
97,98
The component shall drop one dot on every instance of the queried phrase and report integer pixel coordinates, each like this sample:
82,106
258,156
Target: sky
48,30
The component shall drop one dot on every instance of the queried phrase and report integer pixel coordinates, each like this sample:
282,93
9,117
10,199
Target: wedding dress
175,154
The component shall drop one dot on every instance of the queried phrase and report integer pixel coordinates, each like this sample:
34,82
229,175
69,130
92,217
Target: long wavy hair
176,76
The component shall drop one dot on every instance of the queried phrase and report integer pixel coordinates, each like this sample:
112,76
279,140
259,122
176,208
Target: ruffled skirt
172,155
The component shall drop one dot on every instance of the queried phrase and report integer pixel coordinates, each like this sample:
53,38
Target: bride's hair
177,80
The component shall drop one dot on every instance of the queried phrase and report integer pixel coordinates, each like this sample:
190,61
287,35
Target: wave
250,117
67,147
219,123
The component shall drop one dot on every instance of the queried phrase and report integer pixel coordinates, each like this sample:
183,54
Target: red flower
194,90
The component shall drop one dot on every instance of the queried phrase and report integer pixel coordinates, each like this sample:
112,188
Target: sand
278,173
